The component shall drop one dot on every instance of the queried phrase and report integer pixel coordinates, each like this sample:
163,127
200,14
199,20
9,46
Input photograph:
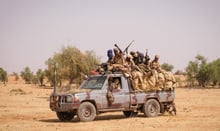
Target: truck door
121,97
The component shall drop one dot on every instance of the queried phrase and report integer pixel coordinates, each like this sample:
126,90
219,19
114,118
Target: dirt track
26,107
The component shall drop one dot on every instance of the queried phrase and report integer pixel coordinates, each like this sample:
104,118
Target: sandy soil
26,107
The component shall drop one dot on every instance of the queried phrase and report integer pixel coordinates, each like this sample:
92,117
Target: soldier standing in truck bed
110,56
119,57
118,61
156,69
155,63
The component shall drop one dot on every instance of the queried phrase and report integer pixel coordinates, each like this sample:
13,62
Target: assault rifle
126,49
147,58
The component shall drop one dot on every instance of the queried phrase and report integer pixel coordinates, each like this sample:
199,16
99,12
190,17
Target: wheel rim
87,112
152,108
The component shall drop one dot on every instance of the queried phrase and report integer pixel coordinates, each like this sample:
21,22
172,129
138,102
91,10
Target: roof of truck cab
116,74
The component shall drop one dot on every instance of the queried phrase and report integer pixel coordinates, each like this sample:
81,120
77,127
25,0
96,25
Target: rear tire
65,116
151,108
86,112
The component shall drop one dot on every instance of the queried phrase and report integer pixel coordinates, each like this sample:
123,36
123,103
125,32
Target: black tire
130,113
86,112
151,108
127,113
65,116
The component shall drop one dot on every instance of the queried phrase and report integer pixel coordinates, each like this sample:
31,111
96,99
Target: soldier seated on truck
114,83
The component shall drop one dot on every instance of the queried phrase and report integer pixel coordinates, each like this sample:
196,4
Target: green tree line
72,65
204,73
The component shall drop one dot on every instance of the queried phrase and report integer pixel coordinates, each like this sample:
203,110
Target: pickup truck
91,99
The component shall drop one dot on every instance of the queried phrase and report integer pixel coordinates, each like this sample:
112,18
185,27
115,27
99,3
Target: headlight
69,98
76,99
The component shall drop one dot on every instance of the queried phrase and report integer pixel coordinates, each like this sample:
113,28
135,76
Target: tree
91,59
34,80
191,72
49,72
167,67
16,76
27,75
40,76
74,63
3,76
199,70
204,74
215,71
71,64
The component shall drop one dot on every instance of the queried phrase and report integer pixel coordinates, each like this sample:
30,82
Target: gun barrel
118,48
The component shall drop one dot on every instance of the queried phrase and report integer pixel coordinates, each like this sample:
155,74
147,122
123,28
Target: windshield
94,82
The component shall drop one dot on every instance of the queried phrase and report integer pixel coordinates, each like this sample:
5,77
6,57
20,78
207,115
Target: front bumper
63,103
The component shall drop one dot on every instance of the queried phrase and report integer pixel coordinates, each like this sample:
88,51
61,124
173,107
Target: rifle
118,48
126,49
147,58
146,54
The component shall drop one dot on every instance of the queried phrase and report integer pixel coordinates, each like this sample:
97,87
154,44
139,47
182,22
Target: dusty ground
26,107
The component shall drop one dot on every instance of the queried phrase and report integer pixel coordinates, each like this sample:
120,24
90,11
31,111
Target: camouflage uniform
155,63
117,84
135,57
155,68
109,95
117,61
118,58
134,72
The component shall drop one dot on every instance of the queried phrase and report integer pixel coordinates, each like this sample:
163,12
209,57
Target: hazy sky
31,31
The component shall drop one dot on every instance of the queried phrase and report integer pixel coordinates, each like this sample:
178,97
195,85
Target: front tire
65,116
151,108
86,112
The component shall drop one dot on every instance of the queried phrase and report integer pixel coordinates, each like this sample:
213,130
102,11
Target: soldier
135,57
109,95
117,61
119,57
135,73
155,63
110,56
147,60
140,57
130,65
117,84
155,68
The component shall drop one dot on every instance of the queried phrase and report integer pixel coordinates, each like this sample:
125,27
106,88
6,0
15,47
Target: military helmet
129,58
132,53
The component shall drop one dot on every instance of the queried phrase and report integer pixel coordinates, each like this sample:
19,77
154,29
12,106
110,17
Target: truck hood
74,91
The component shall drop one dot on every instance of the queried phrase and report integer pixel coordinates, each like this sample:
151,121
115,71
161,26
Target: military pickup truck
92,98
